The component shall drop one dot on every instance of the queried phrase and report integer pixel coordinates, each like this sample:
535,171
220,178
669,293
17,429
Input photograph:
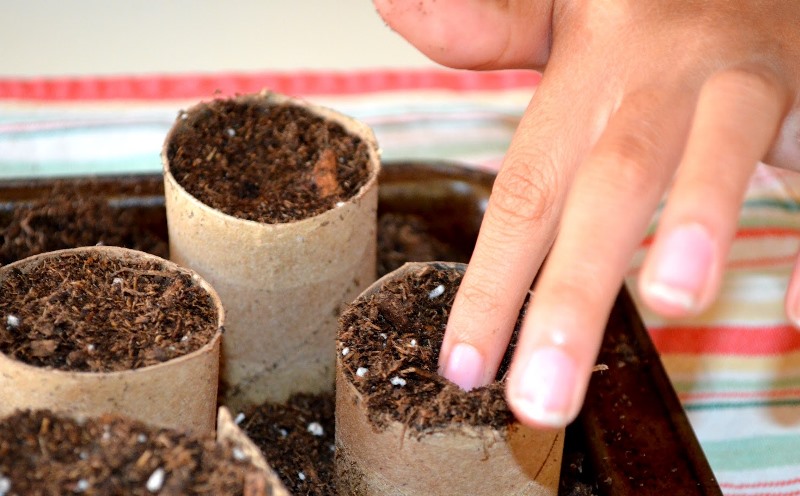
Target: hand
636,97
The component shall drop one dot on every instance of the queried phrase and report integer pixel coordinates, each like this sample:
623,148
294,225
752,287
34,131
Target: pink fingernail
546,388
682,267
464,366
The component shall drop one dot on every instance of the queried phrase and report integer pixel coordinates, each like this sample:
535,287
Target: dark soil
67,220
407,237
297,439
43,454
84,312
396,334
265,162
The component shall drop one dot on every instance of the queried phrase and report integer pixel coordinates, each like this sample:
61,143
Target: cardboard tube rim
352,126
115,252
228,430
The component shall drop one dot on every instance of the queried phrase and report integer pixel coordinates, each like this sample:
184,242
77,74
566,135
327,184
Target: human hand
636,97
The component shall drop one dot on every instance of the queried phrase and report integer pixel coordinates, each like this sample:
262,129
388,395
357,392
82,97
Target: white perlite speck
82,485
5,485
339,204
397,381
141,438
12,321
230,132
413,343
283,432
301,476
238,454
239,418
316,429
362,371
156,480
116,280
345,351
436,292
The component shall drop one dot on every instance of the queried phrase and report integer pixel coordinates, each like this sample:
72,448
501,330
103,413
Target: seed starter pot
402,435
283,283
48,453
178,392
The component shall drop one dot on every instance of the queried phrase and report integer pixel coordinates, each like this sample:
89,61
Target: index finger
518,228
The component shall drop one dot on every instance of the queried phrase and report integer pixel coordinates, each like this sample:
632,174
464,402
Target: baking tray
632,436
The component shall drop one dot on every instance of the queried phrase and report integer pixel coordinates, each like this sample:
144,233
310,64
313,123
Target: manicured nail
682,267
464,366
546,388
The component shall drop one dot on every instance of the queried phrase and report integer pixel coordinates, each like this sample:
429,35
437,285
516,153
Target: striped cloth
736,368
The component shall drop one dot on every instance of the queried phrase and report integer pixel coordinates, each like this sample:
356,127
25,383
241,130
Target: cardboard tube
282,285
180,393
227,430
460,459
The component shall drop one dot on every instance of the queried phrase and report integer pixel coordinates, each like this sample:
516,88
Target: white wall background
101,37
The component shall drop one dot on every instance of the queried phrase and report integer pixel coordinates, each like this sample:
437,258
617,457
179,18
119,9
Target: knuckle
632,158
480,299
746,81
524,194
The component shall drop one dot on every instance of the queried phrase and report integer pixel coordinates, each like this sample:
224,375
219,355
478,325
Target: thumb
474,34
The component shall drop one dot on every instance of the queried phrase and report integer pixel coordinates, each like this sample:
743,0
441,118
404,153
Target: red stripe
747,485
785,393
746,341
168,87
793,493
750,233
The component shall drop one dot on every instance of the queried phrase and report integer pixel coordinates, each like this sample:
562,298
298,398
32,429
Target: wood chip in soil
44,454
89,313
270,163
394,337
67,220
297,439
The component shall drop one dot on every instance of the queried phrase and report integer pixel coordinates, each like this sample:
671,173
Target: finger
614,195
518,229
736,121
473,34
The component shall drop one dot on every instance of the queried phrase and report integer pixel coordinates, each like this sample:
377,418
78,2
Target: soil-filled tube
401,429
96,330
283,278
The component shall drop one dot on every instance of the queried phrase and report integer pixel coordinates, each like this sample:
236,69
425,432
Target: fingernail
546,388
464,366
682,267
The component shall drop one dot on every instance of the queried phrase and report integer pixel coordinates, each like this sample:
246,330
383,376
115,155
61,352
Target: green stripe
779,203
100,128
141,164
753,453
720,405
454,150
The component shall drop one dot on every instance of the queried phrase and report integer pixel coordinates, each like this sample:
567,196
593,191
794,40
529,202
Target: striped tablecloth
736,368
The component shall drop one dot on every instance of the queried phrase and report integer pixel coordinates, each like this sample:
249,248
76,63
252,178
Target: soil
265,162
407,237
395,334
297,439
67,220
43,454
85,312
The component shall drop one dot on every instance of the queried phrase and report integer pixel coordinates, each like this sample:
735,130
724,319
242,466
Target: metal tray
632,436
